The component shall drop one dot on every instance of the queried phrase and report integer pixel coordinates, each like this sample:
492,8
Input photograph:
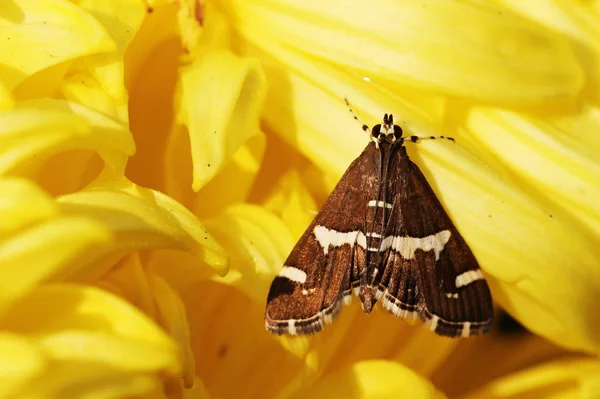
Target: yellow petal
45,250
122,353
20,363
574,378
376,379
229,339
6,99
141,218
76,379
129,280
258,241
83,89
22,203
218,193
489,53
468,366
39,33
575,19
54,308
44,83
38,129
158,30
558,166
122,20
173,318
222,96
293,202
555,294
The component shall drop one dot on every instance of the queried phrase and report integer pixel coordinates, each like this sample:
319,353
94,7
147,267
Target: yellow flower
148,146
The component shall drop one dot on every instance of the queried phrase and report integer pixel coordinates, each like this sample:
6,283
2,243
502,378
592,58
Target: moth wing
430,271
326,262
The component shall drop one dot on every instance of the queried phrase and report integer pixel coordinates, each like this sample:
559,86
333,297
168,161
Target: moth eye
397,132
376,131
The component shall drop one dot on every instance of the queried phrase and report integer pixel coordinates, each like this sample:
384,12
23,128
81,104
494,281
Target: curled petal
38,129
125,354
57,308
574,378
222,96
21,361
142,218
259,242
37,34
372,379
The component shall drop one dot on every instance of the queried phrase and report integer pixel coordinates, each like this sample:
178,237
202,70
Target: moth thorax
387,131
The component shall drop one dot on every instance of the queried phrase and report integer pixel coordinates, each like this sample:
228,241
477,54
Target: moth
383,235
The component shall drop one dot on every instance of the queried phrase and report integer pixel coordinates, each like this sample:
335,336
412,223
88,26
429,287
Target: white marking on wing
467,278
327,238
292,327
407,246
293,273
432,324
380,204
466,330
374,235
451,295
392,304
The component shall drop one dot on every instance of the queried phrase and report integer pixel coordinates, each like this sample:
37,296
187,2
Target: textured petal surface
575,378
221,99
375,379
143,218
31,30
60,307
489,53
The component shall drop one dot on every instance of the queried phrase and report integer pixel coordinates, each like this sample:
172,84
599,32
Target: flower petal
76,379
141,218
6,99
37,34
44,251
37,241
105,80
222,96
125,354
489,53
20,363
377,379
292,201
472,358
173,318
82,88
560,165
22,204
573,378
555,294
258,241
219,193
55,308
38,129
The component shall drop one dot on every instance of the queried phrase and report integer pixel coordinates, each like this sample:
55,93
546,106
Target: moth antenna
415,139
364,127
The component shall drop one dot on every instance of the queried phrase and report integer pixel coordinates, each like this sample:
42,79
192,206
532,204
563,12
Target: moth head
386,131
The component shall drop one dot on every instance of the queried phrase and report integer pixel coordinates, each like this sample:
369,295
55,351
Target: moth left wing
328,259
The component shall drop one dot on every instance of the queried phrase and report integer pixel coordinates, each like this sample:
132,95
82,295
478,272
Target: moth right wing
430,272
